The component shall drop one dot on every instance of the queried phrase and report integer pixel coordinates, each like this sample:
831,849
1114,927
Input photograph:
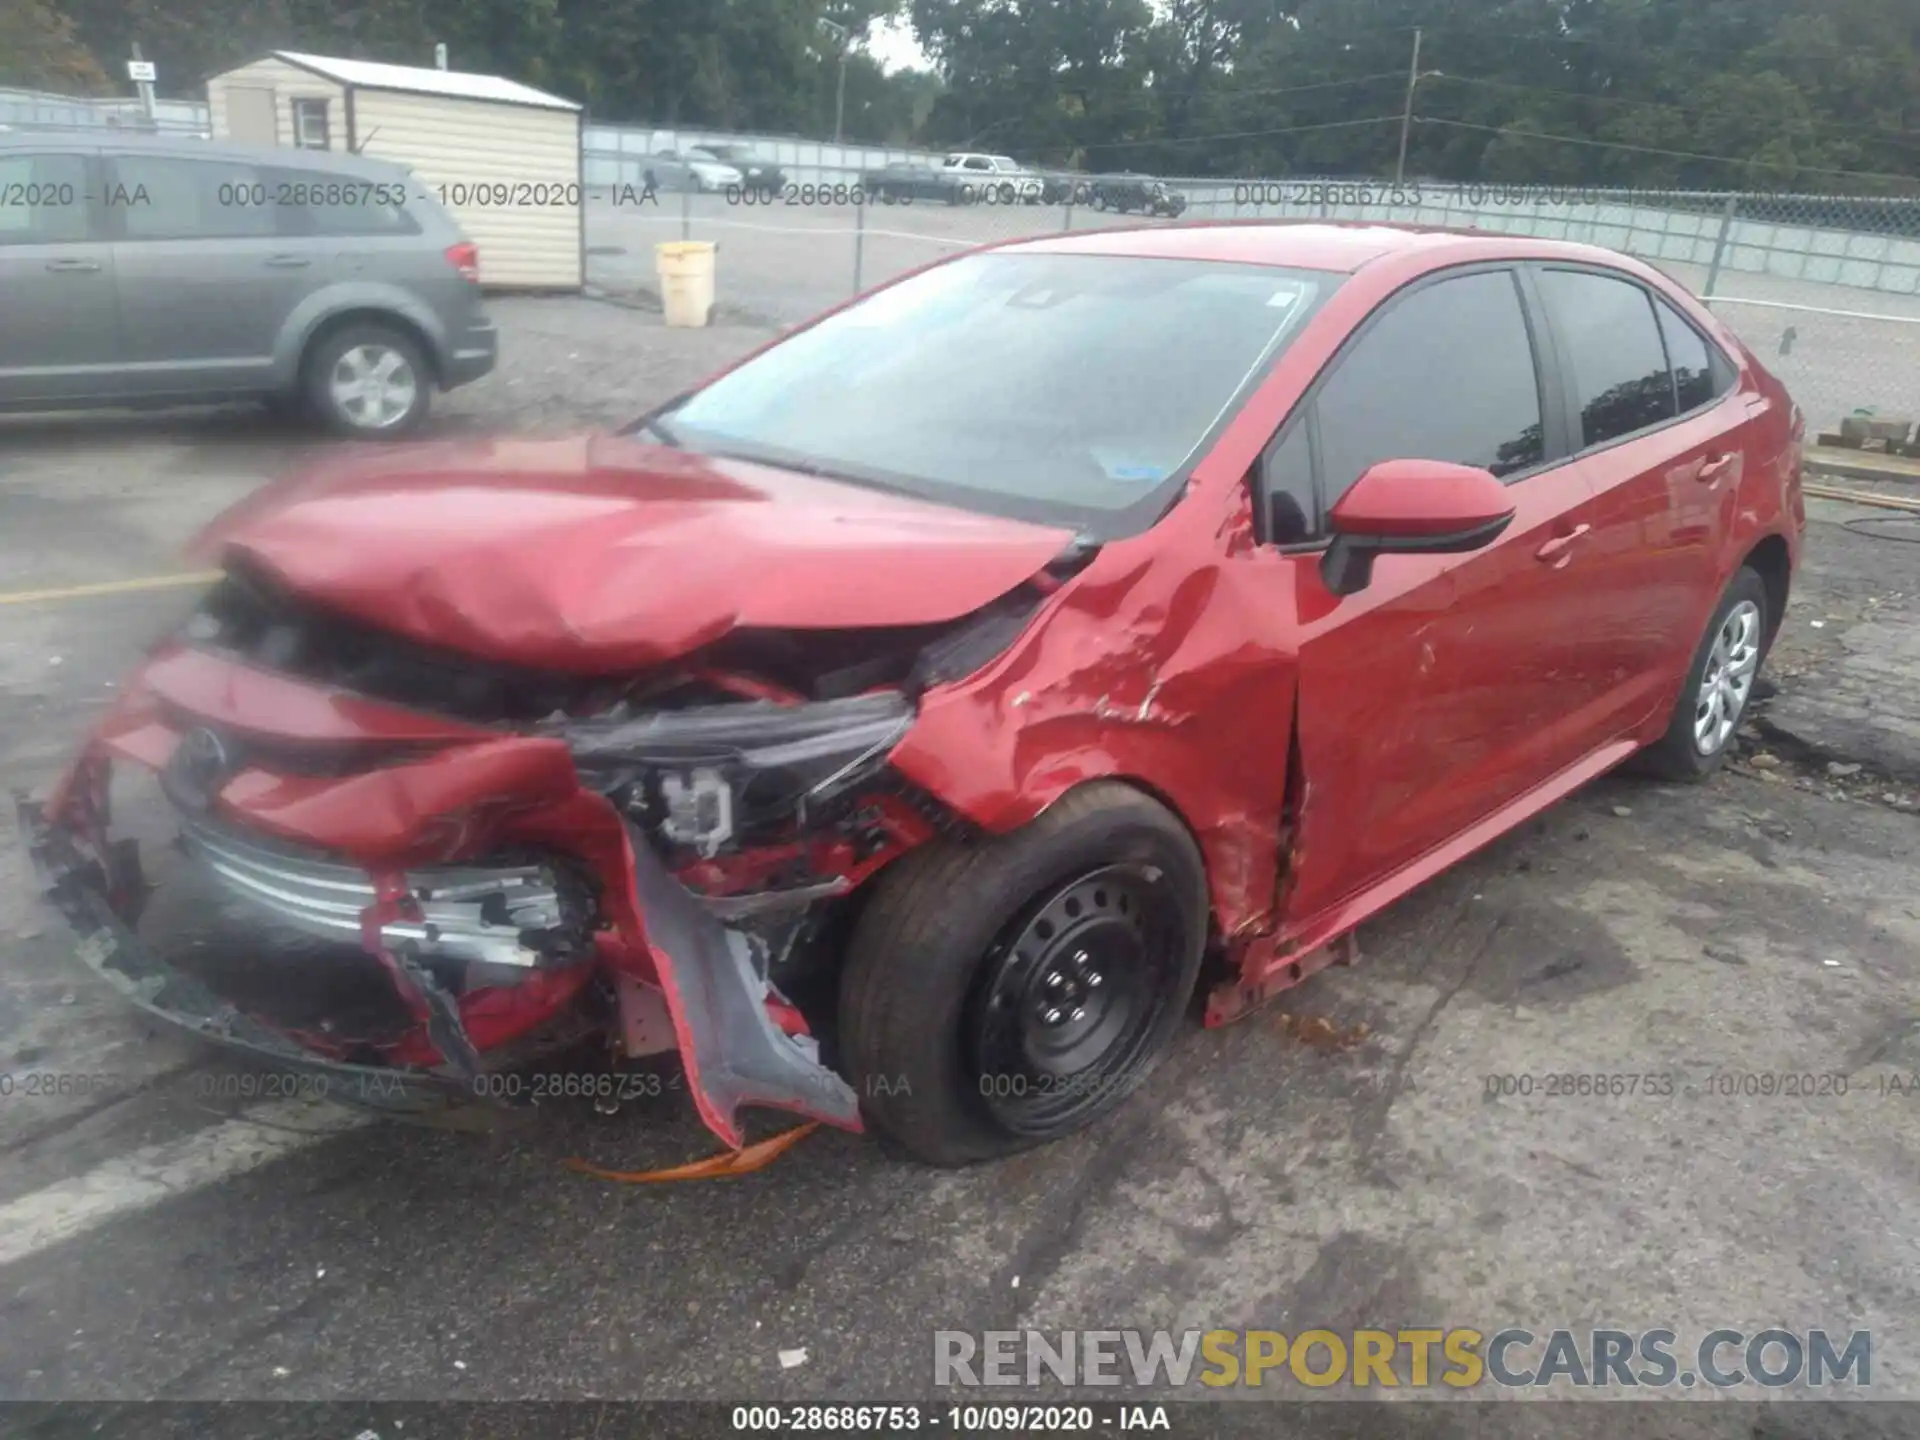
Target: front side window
1067,388
1612,346
158,197
1286,482
1446,373
43,199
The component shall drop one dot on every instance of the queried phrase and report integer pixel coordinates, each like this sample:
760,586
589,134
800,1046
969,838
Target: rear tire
1719,684
1070,946
369,381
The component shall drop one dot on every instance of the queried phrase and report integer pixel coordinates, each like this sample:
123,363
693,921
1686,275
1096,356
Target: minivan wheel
369,380
1719,684
1013,990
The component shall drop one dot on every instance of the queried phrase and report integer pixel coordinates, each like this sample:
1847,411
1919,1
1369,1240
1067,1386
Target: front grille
509,914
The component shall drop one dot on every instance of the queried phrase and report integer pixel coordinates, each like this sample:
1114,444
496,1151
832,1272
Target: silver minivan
145,270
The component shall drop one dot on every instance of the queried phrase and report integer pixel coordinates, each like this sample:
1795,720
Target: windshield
1073,389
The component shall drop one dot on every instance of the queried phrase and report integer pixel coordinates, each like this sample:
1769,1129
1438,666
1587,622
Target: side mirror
1411,507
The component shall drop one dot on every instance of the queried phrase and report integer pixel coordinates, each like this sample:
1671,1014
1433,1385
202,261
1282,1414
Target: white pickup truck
978,178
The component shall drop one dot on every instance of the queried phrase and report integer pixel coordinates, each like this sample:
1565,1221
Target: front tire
1719,684
369,381
1004,993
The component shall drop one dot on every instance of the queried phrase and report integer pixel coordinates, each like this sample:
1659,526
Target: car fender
318,308
1166,663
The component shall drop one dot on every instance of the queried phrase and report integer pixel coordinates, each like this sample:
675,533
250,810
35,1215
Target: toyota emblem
199,765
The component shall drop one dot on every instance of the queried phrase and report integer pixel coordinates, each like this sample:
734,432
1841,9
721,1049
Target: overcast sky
895,48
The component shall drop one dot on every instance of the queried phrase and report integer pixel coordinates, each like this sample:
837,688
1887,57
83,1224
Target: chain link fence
1826,289
41,111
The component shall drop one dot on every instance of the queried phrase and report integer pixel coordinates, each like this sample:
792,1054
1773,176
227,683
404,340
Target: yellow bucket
685,268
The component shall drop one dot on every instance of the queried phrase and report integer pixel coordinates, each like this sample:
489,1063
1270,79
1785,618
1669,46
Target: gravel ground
573,363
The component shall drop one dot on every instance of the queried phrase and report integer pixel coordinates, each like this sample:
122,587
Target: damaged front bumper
412,875
81,888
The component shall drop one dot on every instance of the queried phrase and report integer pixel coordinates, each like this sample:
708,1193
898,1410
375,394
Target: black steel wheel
1008,991
1068,998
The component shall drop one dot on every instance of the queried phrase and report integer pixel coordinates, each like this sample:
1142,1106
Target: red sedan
904,724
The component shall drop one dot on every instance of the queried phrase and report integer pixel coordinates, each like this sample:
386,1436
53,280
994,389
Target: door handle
288,262
1554,552
73,267
1718,466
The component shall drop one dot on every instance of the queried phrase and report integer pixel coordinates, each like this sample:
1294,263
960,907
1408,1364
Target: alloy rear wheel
1719,684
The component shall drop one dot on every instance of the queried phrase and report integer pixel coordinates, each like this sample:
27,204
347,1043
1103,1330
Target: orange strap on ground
715,1167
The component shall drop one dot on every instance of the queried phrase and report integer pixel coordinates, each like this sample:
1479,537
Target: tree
39,49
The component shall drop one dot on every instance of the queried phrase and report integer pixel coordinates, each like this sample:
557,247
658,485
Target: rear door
59,325
205,275
1662,436
1450,686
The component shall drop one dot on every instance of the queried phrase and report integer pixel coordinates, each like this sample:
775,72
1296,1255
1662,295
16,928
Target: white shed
504,158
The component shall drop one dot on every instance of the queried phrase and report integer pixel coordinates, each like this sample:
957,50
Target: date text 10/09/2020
959,1419
1715,1084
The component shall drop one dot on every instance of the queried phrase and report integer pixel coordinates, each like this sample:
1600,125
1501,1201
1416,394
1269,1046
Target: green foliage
1820,94
38,48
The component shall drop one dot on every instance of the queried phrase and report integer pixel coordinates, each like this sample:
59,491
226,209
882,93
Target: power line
1654,149
1902,137
1629,47
1234,134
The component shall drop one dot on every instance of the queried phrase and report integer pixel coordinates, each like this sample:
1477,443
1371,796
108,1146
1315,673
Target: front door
59,325
1448,687
205,277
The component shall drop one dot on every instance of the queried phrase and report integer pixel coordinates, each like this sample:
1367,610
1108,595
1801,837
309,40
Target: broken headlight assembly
711,778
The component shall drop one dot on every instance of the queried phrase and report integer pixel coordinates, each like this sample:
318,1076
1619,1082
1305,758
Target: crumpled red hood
601,554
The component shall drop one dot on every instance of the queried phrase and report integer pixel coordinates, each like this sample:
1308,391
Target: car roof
1339,246
129,142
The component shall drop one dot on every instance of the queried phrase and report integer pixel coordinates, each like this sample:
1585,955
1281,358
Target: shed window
310,125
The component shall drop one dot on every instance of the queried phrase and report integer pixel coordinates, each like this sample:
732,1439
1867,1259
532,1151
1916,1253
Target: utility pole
845,38
1406,116
140,70
840,99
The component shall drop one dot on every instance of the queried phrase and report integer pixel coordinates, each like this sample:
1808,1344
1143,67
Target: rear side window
319,202
1445,374
43,199
1697,380
158,197
1612,346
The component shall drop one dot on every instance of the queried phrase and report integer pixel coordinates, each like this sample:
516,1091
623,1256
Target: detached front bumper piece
495,893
